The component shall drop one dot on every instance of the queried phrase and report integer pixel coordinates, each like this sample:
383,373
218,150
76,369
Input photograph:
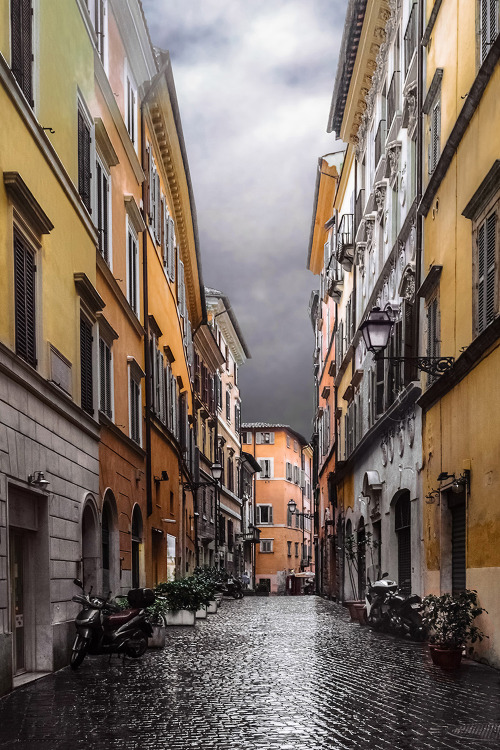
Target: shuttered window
135,411
105,379
489,25
131,113
433,348
486,264
403,531
435,135
25,300
133,272
21,18
86,368
84,172
103,210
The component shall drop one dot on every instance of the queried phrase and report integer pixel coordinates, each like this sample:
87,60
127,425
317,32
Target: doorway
403,532
22,630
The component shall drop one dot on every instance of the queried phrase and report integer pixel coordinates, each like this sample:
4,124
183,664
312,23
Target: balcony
335,282
345,242
252,536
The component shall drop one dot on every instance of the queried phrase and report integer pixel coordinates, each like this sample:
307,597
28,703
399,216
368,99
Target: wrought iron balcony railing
345,241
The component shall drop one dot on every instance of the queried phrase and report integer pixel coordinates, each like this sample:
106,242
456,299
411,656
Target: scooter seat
114,621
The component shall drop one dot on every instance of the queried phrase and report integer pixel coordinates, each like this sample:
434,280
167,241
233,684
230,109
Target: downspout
254,509
147,358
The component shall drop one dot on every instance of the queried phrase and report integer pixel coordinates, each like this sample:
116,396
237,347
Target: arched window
402,517
136,546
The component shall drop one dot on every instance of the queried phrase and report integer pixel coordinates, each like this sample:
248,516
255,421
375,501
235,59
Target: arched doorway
90,546
402,526
136,547
109,544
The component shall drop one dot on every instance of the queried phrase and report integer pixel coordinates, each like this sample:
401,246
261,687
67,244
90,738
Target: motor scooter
103,628
386,609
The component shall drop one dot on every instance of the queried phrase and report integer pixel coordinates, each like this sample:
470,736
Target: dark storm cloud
254,81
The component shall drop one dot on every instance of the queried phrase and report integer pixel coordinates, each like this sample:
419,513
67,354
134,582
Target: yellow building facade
460,206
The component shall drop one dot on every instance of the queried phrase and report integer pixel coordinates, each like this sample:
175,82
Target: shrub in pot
185,593
450,621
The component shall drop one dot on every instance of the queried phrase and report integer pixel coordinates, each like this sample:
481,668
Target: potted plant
183,598
157,614
450,621
355,605
206,582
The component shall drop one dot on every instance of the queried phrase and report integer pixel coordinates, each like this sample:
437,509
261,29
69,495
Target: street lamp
292,507
376,330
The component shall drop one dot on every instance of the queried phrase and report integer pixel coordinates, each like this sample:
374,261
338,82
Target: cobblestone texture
264,673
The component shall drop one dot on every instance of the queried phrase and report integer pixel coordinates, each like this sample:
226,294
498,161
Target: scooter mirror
77,582
385,575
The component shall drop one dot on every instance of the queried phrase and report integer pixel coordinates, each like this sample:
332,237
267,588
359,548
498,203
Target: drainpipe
147,359
420,163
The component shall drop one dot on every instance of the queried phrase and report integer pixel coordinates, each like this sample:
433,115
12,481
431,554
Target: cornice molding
26,203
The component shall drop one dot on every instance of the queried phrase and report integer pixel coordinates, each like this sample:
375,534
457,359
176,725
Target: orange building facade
285,545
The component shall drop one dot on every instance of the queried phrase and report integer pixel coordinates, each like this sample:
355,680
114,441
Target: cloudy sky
254,80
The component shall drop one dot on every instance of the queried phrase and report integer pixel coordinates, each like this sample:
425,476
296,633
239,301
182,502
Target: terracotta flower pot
360,612
446,658
354,606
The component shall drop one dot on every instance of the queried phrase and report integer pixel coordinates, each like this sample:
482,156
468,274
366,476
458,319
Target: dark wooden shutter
22,46
86,365
403,531
24,286
486,251
105,219
458,548
84,171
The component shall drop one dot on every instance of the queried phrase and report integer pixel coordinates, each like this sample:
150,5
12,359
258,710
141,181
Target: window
230,474
246,438
434,134
84,158
21,20
132,269
432,319
228,405
230,535
264,437
295,446
289,550
105,379
289,518
266,471
266,545
99,21
488,25
296,474
237,418
288,441
135,410
131,106
25,299
103,206
410,38
289,471
486,239
86,365
264,514
296,549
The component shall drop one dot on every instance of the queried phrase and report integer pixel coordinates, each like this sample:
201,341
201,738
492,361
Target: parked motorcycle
388,610
103,628
231,587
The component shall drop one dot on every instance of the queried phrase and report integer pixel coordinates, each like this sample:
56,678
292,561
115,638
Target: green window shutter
25,299
87,391
21,15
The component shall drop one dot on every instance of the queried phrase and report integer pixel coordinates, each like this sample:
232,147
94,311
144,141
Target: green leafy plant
450,619
186,593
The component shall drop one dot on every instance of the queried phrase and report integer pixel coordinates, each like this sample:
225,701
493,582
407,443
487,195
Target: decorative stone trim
380,193
393,156
26,203
407,284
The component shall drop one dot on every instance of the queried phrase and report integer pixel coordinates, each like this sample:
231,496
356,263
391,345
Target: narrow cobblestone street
287,673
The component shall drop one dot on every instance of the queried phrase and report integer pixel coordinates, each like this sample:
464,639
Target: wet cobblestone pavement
264,673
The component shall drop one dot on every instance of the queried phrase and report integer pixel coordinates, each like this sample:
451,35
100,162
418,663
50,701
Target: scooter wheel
78,653
136,647
418,633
